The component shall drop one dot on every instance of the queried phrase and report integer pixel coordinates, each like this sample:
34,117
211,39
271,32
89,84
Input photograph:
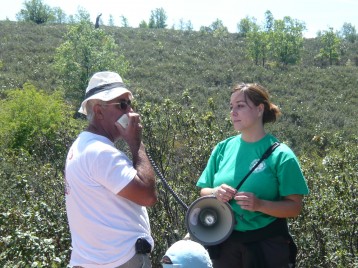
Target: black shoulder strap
264,156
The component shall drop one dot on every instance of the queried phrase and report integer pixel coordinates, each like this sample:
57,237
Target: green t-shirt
277,176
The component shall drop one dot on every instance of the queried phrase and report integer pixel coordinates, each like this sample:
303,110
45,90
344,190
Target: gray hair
89,108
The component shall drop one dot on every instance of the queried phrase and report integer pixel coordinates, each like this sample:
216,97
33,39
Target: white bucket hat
187,254
104,86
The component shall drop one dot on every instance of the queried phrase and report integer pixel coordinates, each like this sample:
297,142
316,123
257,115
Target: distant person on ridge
96,26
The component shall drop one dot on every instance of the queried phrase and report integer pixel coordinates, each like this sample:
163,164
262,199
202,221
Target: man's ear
97,109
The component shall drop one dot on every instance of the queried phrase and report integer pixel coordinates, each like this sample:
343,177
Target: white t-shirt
104,226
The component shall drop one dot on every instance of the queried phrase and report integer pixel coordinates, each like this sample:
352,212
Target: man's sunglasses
122,104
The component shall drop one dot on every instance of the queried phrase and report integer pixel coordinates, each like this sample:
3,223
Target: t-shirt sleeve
291,178
113,170
207,177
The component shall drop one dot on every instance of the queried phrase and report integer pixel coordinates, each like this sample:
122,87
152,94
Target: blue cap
187,254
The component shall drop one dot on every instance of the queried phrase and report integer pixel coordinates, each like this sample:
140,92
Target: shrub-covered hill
165,63
195,71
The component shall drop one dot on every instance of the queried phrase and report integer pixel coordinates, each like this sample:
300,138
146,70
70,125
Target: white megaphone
209,221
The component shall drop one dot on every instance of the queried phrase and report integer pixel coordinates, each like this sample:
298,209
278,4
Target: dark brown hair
258,94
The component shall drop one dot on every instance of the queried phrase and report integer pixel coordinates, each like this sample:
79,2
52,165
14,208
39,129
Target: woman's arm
223,192
290,206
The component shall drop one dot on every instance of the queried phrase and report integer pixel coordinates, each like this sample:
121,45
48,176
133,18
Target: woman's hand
289,206
224,192
247,201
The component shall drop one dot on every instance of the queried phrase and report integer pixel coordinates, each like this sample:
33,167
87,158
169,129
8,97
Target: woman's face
245,116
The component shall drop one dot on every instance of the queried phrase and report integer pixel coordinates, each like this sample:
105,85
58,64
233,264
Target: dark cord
160,175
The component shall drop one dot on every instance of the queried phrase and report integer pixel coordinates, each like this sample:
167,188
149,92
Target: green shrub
33,223
326,232
37,131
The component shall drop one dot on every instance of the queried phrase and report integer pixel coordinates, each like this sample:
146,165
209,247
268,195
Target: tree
82,15
60,15
143,24
330,43
184,26
258,45
218,28
206,30
189,26
279,40
124,22
158,19
287,40
111,20
246,25
349,32
269,21
86,51
36,11
181,24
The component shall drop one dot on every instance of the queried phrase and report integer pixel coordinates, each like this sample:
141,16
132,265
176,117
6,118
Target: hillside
181,81
164,63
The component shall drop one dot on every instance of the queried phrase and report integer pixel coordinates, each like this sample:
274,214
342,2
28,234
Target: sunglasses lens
124,105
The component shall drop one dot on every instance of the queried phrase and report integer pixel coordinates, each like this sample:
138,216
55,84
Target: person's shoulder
229,140
92,138
224,143
282,149
94,144
285,152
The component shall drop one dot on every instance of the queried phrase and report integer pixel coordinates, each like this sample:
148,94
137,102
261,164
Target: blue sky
316,14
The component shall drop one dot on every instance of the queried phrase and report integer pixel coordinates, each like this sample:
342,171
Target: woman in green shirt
272,192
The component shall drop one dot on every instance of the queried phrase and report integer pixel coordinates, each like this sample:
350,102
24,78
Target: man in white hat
106,192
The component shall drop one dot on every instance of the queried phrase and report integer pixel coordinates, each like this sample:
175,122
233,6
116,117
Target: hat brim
105,96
